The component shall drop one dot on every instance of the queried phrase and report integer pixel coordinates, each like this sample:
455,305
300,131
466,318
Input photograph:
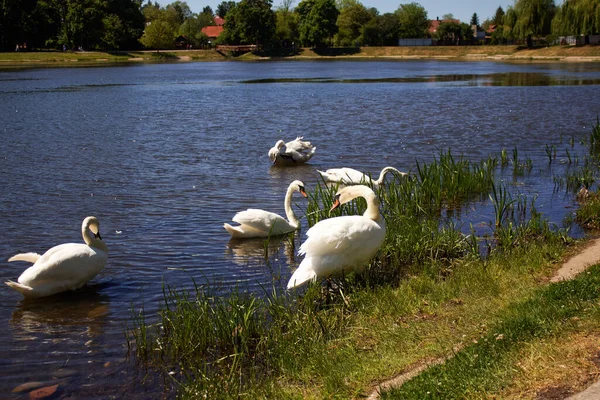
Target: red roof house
434,24
214,31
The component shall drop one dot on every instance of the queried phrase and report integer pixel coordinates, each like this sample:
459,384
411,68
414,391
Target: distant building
214,31
435,24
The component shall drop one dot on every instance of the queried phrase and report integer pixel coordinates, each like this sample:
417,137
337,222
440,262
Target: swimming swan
341,244
64,267
260,223
297,151
350,176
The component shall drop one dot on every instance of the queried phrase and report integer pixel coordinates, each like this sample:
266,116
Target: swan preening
342,244
260,223
64,267
297,151
350,176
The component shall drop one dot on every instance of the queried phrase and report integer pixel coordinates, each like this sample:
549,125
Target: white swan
341,244
64,267
350,176
260,223
297,151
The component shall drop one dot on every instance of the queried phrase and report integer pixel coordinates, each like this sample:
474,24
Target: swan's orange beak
336,203
303,192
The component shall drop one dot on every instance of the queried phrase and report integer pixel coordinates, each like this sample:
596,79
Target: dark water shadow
496,79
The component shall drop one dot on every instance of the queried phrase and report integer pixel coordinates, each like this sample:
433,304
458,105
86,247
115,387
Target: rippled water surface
164,154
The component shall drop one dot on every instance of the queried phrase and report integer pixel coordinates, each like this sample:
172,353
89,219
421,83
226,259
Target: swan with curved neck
261,223
297,151
342,244
68,266
350,176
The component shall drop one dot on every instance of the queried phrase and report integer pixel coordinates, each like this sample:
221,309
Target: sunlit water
165,154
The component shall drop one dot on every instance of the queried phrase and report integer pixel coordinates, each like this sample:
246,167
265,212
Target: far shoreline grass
453,53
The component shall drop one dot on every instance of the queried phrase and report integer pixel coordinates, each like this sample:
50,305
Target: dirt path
589,256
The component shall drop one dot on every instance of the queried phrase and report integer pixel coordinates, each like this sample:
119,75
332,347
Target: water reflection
86,308
247,252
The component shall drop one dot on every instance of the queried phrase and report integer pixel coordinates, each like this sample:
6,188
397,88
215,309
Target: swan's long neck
372,211
289,212
382,174
91,240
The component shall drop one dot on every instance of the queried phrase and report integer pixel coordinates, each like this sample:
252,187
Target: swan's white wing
66,266
299,145
345,175
262,220
341,234
30,257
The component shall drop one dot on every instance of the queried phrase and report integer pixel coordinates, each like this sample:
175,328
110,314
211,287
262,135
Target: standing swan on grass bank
260,223
297,151
64,267
341,244
350,176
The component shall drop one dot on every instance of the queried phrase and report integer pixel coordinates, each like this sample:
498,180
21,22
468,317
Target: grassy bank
461,53
430,293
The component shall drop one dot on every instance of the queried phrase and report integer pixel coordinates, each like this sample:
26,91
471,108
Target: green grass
427,289
486,366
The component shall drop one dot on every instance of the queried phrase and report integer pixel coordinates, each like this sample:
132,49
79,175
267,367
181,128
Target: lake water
164,154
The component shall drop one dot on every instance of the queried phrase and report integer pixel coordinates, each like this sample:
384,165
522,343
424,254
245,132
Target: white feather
260,223
64,267
342,244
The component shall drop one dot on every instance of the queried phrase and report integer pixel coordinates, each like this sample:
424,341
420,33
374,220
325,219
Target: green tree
181,11
286,24
224,7
452,32
351,20
159,34
474,19
318,21
498,16
577,17
192,29
531,18
381,31
413,21
250,22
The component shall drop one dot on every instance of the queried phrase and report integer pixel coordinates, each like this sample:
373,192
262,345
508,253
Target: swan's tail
301,276
24,290
31,257
231,229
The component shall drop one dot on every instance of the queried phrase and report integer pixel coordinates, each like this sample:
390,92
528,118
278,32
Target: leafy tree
452,32
498,16
317,21
381,31
192,29
250,22
351,20
533,18
577,17
158,35
207,10
224,7
413,21
474,19
286,24
181,11
114,31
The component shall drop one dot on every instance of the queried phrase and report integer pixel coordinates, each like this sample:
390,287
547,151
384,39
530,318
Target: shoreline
497,53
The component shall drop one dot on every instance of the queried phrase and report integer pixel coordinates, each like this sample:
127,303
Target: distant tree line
130,24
